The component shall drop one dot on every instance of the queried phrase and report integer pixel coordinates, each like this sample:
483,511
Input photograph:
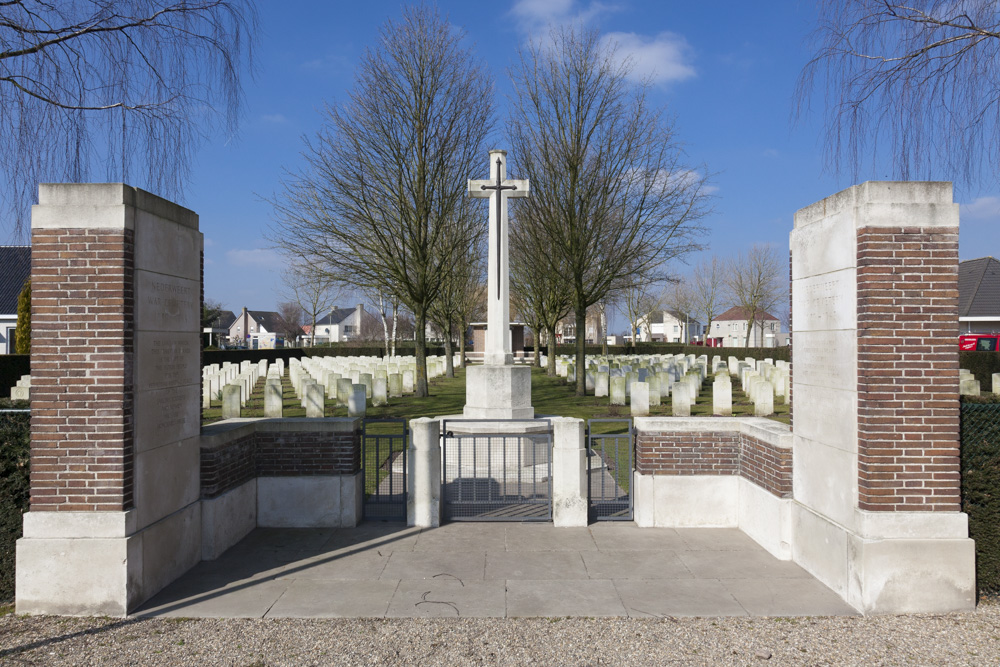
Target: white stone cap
102,205
768,430
888,204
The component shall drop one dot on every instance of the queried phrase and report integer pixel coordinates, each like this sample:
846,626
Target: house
258,329
566,328
668,326
341,325
218,327
15,269
979,295
730,329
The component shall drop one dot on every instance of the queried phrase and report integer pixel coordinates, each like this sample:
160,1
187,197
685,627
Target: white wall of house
978,325
7,325
670,330
734,333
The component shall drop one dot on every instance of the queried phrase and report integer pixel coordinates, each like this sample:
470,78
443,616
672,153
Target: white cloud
276,118
770,152
661,59
536,17
256,257
982,208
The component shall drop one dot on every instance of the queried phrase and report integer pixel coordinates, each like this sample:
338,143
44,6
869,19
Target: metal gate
383,464
610,462
501,475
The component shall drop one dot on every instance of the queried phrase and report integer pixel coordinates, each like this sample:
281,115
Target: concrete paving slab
621,535
551,565
677,597
463,537
581,597
740,565
449,598
545,537
787,597
467,566
716,539
206,597
362,565
308,598
383,537
634,565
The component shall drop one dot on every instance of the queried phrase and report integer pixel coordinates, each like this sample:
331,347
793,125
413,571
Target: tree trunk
449,355
746,342
551,370
385,323
604,332
395,322
536,359
581,351
421,353
312,333
461,348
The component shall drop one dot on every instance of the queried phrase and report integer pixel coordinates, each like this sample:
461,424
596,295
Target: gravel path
946,639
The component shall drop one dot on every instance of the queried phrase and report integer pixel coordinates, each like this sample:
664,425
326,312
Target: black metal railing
383,464
610,462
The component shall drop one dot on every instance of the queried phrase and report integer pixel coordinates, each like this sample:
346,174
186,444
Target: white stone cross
497,188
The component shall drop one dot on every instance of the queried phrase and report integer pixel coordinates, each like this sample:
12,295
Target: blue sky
726,72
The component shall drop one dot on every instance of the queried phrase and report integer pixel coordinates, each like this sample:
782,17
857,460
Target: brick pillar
116,306
876,469
82,353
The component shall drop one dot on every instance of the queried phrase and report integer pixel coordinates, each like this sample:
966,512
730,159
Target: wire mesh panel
610,461
383,462
981,488
496,476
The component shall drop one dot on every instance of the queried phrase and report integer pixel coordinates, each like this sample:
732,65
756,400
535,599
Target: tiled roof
740,315
15,268
335,316
270,320
979,288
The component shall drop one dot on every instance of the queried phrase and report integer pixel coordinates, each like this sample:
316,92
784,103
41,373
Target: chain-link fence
14,485
981,488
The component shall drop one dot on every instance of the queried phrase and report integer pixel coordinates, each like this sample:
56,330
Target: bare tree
130,83
754,279
540,293
609,191
312,289
388,171
918,77
680,298
708,291
291,320
639,294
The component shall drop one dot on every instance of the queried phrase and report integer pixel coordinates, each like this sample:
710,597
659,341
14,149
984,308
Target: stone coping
223,432
767,430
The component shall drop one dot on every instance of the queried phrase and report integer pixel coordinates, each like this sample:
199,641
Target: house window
350,329
676,329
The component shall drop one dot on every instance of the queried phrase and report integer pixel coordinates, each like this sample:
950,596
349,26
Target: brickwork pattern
81,369
687,453
767,466
290,453
716,453
908,409
297,454
224,468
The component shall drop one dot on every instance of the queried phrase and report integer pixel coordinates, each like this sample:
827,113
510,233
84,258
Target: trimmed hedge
776,353
12,367
982,364
981,487
237,356
14,486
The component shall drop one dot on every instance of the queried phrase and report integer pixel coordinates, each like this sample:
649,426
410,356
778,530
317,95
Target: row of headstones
644,381
968,385
22,390
350,382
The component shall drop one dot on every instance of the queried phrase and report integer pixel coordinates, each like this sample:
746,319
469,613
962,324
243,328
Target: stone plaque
164,359
166,303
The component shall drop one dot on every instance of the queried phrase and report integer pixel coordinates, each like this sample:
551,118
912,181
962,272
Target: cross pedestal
498,389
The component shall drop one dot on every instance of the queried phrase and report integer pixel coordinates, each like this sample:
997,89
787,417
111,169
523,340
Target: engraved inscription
170,359
170,298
